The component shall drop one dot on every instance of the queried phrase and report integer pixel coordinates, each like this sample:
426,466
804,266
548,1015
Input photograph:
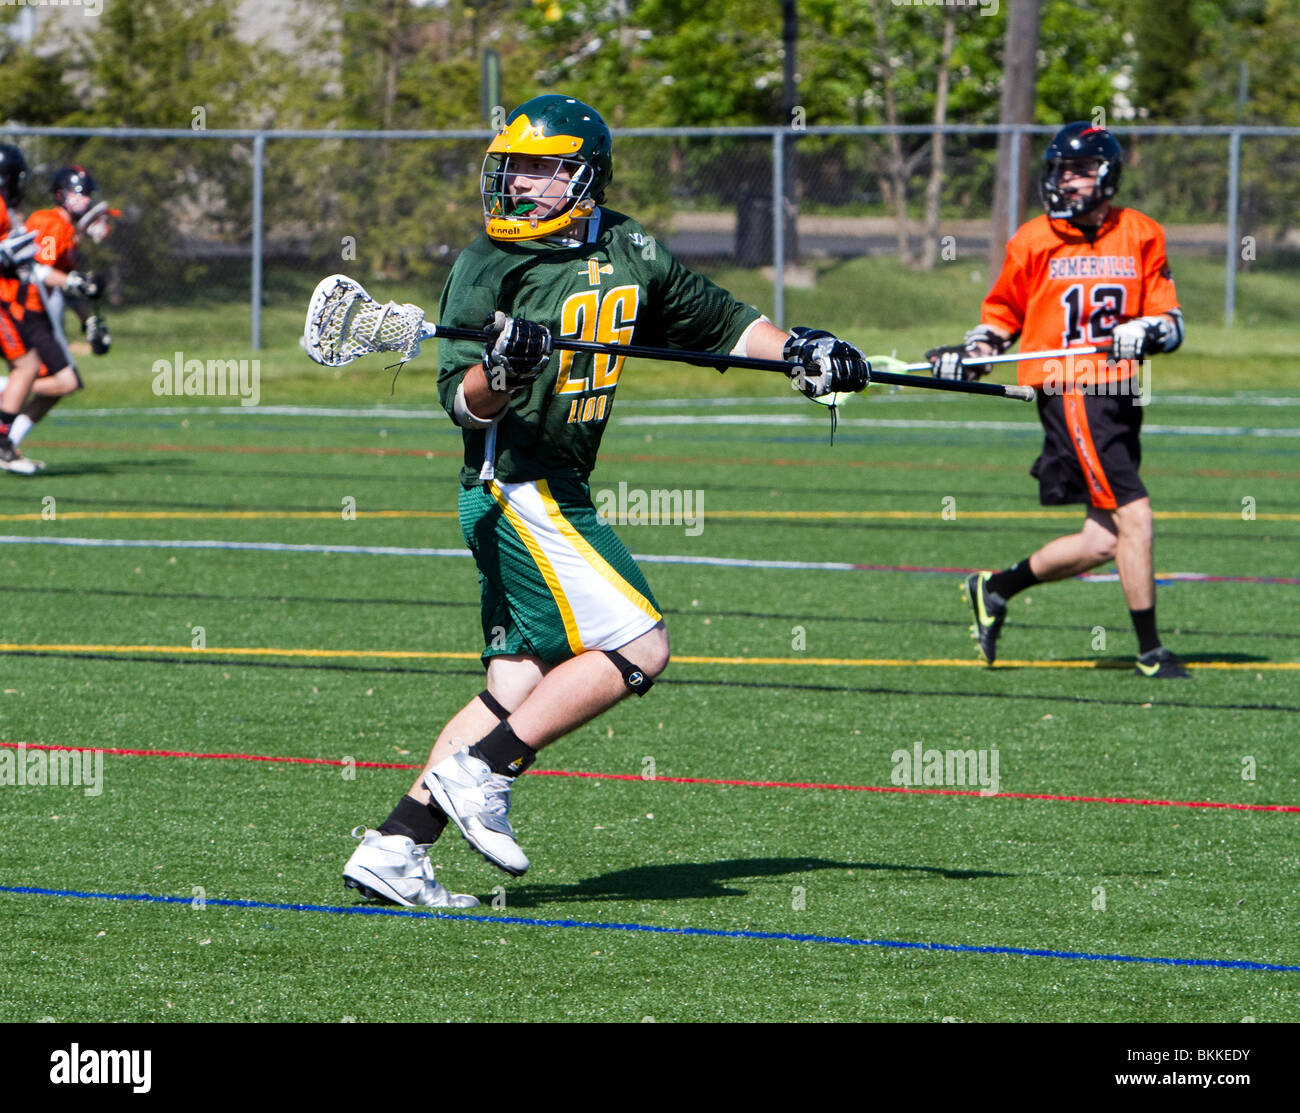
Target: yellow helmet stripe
521,137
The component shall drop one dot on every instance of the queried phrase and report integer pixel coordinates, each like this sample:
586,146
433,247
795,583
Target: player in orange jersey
53,283
1086,274
24,362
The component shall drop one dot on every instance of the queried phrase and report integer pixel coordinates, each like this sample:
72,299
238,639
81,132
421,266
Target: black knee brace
633,677
493,704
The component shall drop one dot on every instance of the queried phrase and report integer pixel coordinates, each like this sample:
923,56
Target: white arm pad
742,345
41,271
467,419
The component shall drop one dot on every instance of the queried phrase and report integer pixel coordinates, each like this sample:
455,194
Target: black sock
1012,580
6,420
1144,622
503,751
421,823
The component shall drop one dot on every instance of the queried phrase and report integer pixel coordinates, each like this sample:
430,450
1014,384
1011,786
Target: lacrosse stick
1016,357
94,221
345,323
883,367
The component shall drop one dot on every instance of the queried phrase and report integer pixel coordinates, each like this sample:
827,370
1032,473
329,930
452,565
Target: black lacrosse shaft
720,362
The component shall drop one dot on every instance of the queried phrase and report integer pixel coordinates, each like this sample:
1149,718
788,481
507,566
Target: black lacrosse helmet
73,179
1074,143
13,174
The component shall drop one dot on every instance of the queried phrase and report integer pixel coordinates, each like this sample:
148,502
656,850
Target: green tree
173,64
33,89
1087,57
1262,34
409,204
1167,34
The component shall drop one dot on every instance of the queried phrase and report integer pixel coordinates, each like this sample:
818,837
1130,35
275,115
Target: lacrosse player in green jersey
570,625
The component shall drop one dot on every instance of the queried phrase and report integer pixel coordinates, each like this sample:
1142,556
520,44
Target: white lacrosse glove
17,249
96,330
1145,336
80,285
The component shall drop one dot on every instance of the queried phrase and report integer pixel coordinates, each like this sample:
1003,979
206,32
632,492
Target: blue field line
653,929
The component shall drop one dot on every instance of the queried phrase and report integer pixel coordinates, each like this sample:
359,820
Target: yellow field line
741,515
990,515
821,662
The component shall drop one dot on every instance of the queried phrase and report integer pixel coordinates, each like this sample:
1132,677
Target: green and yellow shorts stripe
556,580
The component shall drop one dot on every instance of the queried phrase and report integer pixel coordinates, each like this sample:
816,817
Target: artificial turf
768,685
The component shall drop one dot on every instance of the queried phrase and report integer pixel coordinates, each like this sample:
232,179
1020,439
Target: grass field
668,882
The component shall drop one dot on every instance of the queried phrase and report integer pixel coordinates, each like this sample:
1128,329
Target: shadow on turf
1125,664
699,880
404,670
69,471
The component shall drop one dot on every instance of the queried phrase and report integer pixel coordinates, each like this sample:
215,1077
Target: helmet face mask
558,185
1078,151
74,190
546,170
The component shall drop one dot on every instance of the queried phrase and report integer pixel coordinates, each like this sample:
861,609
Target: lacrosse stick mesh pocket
349,323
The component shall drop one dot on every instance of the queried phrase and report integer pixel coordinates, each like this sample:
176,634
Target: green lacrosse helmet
557,128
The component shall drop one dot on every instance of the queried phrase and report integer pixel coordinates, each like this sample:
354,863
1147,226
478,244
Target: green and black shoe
990,612
1161,664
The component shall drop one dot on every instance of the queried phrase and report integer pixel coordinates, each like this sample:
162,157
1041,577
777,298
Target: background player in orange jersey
25,363
1087,273
54,282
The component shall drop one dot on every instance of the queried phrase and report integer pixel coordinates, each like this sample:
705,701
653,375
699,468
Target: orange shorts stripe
1076,420
11,344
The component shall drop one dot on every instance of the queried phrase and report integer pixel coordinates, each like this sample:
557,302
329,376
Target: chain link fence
248,217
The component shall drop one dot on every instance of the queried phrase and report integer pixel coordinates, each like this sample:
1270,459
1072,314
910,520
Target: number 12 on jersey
1107,309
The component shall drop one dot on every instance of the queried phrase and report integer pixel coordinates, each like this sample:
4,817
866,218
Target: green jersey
620,287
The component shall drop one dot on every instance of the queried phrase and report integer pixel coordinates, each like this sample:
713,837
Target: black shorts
38,334
1091,451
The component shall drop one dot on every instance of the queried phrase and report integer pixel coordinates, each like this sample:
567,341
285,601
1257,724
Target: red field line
686,780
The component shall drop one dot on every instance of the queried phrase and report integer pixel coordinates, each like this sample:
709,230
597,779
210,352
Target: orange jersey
1057,290
56,246
6,225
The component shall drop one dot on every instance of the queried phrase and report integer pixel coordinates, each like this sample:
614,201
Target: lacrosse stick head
95,222
344,323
